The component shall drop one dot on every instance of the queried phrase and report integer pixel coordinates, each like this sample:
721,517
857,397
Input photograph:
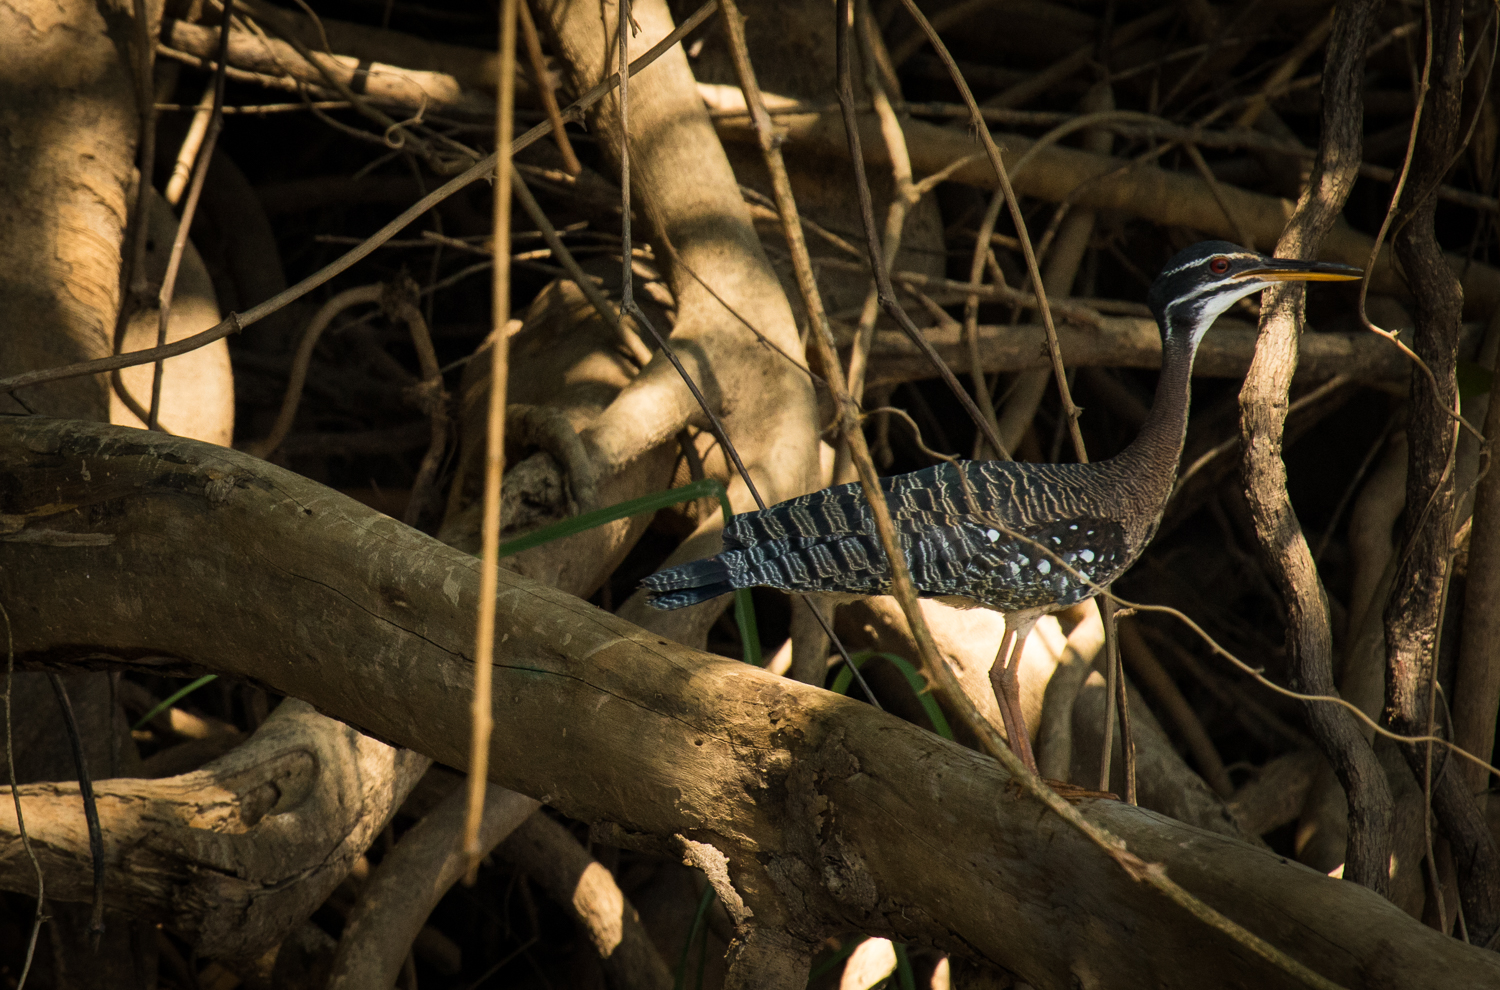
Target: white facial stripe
1198,261
1203,306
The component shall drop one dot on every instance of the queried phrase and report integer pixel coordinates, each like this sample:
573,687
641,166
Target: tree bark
67,107
820,810
1413,613
1263,406
1134,342
232,856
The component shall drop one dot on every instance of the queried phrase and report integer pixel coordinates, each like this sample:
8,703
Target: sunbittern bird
1023,539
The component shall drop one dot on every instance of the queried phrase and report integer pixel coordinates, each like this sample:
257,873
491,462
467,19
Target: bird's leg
1008,694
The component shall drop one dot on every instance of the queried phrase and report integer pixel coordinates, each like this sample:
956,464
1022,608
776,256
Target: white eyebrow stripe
1243,255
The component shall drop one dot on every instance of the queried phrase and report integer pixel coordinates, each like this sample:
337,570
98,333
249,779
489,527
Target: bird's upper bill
1287,270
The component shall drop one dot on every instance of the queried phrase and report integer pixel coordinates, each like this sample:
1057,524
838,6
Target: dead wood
720,279
1274,797
1263,406
1130,342
1413,611
67,168
384,84
232,856
661,740
1058,174
547,853
395,901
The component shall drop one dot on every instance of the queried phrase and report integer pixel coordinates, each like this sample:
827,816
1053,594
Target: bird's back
1002,534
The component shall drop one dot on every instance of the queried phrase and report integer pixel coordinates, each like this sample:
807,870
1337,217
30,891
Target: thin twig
481,716
538,65
15,795
184,225
302,360
394,133
1070,410
982,253
400,302
133,275
886,291
1260,678
1247,240
90,808
1385,226
588,285
192,143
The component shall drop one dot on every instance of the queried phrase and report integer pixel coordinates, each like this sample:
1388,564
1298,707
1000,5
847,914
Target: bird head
1205,279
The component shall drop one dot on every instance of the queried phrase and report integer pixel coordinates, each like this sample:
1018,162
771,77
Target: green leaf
913,678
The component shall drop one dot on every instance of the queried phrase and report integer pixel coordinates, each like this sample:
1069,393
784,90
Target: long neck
1149,464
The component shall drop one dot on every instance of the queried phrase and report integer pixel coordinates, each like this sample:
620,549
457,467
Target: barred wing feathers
974,537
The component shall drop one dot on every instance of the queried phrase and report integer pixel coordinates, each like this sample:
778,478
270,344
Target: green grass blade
611,513
744,609
928,702
172,699
679,978
744,617
905,978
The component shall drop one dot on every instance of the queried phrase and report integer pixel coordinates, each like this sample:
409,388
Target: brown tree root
580,884
234,855
821,812
396,900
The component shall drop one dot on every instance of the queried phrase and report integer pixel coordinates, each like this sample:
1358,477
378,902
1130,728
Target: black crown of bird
1023,539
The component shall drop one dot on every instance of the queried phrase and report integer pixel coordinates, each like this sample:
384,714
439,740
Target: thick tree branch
234,855
395,902
1263,405
1059,174
822,809
1413,613
1131,342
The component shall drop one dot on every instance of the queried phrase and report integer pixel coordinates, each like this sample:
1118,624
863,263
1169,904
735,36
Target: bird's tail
688,584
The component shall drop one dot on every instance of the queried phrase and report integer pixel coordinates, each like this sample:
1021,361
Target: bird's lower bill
1331,273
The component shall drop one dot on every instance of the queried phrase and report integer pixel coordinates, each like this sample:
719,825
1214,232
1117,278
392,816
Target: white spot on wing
1045,567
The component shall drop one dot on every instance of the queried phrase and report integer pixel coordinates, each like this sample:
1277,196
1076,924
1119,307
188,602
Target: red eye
1219,265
